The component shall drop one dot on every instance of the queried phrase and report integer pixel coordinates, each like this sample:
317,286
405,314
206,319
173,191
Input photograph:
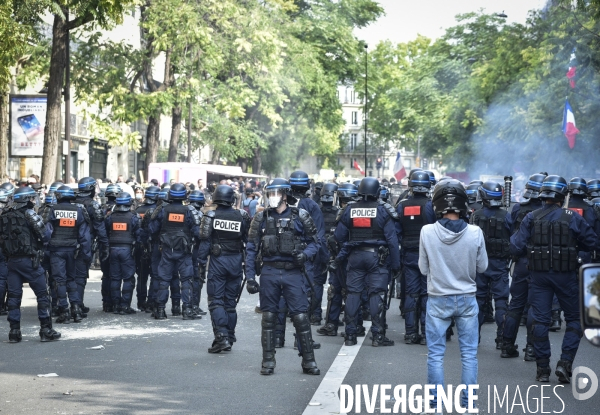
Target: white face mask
139,196
274,201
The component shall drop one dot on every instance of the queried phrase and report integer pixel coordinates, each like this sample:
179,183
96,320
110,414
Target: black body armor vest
363,222
65,231
280,237
121,231
552,246
18,239
329,217
227,230
413,220
497,238
174,233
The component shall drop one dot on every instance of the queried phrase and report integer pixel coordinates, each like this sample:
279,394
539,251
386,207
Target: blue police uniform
199,275
142,259
124,232
71,240
3,283
496,225
519,287
367,227
414,212
105,264
551,238
223,233
177,225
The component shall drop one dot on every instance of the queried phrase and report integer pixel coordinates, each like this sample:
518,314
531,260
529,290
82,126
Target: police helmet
165,185
163,195
299,181
369,188
596,202
347,192
328,192
152,193
357,183
223,195
26,194
64,192
491,193
196,196
87,185
554,187
112,190
319,185
55,186
414,170
431,177
177,191
533,186
276,186
472,192
9,187
593,188
384,193
50,198
450,196
419,182
123,199
578,186
5,196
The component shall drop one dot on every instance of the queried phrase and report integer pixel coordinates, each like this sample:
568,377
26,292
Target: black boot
529,353
47,333
188,314
413,338
220,343
328,329
380,340
564,371
116,309
176,310
305,344
3,311
149,307
543,374
141,306
498,342
55,311
279,334
315,320
76,313
268,343
14,336
360,331
350,340
509,349
127,310
556,321
84,310
523,321
64,316
160,313
107,308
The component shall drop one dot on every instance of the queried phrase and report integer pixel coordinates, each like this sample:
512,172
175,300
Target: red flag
357,167
572,69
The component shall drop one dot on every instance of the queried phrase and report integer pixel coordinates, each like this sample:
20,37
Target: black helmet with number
578,186
369,188
593,188
555,188
419,182
299,181
152,194
328,192
87,185
534,185
223,195
64,192
491,193
177,191
450,196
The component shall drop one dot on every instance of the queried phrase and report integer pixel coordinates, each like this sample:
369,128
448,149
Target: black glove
104,254
396,273
202,273
252,286
299,259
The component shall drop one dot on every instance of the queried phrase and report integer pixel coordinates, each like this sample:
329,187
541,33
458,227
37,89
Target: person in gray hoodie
451,253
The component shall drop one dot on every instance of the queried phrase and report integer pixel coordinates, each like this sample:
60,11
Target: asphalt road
162,367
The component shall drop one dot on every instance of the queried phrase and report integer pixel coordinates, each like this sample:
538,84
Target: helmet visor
275,197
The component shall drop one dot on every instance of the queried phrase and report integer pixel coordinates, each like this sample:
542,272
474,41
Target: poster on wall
27,122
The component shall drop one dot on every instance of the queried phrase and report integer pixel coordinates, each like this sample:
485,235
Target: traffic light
379,162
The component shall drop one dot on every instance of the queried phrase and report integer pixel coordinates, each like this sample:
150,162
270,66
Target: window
354,117
353,141
353,96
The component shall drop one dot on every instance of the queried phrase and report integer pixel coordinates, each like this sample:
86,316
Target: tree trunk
189,134
216,155
175,131
3,136
257,161
55,89
152,142
243,163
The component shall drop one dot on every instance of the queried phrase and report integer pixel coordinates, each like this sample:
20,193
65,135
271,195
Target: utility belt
218,250
281,265
559,259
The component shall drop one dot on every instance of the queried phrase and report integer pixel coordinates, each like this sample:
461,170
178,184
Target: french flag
399,171
572,69
357,167
568,127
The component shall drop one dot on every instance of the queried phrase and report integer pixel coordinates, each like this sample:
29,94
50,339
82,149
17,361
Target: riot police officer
142,251
593,188
197,200
123,229
551,237
496,225
68,224
23,233
415,211
369,232
519,287
87,187
472,193
223,233
152,240
317,194
282,239
406,192
5,199
178,225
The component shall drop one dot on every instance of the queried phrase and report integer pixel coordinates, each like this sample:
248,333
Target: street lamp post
67,94
365,106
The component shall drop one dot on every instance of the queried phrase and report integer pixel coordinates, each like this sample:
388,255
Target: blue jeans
440,310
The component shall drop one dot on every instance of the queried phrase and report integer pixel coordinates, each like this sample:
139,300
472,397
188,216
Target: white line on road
326,400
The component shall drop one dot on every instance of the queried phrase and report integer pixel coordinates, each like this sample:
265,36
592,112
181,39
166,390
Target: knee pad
268,320
574,327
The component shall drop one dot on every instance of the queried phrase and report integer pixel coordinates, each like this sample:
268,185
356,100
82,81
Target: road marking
326,400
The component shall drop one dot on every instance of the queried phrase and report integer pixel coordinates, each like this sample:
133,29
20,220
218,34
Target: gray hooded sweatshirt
451,259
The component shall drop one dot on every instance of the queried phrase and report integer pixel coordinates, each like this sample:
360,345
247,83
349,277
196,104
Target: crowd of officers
349,235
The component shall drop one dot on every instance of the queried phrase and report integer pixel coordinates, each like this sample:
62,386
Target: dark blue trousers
172,262
142,269
275,283
519,292
62,264
223,286
496,279
415,301
105,290
122,276
20,271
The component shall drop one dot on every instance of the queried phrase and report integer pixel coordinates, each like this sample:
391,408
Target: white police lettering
65,214
226,225
363,213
